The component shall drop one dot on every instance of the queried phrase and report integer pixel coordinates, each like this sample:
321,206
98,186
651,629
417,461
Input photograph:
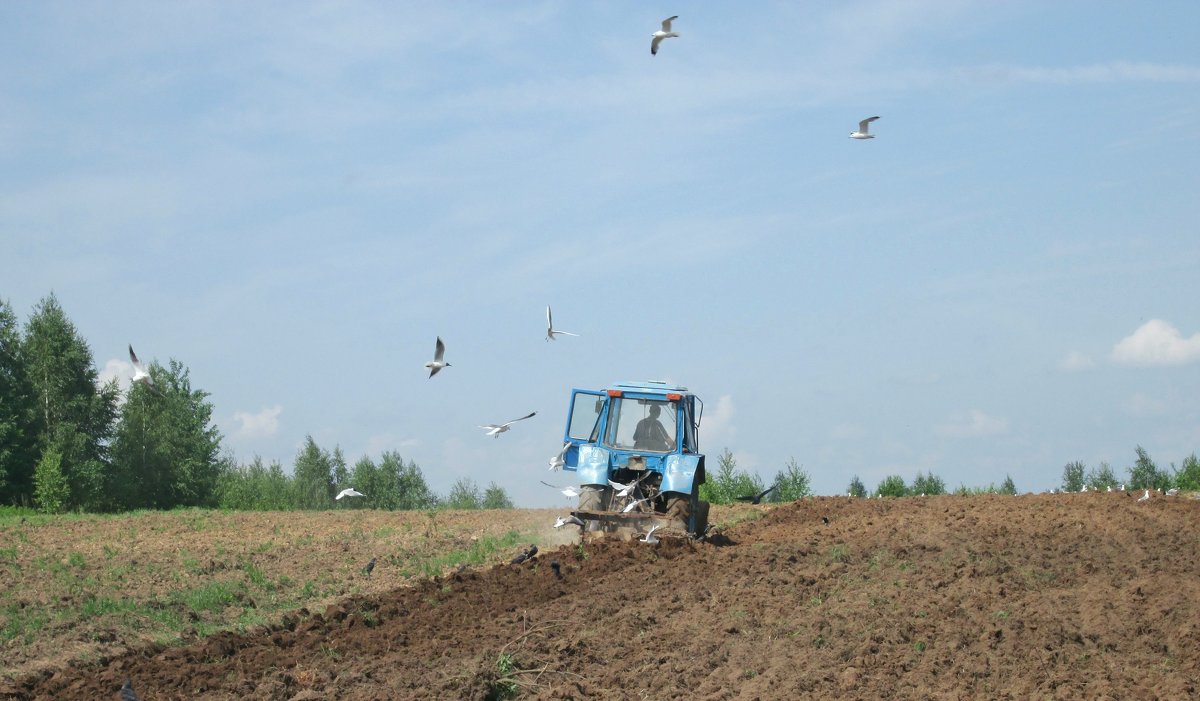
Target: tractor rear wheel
679,512
594,497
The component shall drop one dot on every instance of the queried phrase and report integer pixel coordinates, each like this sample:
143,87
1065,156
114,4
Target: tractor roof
650,387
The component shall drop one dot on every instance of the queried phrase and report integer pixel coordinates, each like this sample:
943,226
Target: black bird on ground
557,568
529,552
370,567
756,498
127,693
825,520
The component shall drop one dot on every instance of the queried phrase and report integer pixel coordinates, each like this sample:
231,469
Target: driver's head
655,410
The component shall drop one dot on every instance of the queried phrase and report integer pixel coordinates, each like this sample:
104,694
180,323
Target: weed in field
257,577
505,685
919,646
214,596
76,560
838,553
1002,614
330,651
8,553
819,641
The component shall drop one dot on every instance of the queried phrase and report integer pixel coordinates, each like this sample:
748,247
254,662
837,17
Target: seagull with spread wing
864,129
439,352
557,462
664,33
140,374
568,492
494,430
349,492
551,332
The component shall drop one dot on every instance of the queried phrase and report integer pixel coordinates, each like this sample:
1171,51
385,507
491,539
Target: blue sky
295,199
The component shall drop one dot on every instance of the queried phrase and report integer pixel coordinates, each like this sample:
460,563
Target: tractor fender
681,472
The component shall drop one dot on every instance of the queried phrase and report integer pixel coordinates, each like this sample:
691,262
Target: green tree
312,481
892,486
341,475
1145,474
729,482
50,484
1101,478
1008,486
856,488
18,429
927,484
792,483
1072,479
166,449
75,416
464,494
494,497
1188,475
365,478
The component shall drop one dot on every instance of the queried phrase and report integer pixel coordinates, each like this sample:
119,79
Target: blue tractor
636,450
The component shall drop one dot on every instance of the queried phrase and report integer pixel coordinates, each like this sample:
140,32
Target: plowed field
1082,596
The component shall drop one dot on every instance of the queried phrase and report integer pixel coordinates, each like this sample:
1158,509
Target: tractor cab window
585,415
642,424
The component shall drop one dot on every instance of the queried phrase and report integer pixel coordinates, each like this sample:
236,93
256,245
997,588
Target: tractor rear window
642,424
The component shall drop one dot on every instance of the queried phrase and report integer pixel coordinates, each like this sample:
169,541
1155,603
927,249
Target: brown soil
1089,596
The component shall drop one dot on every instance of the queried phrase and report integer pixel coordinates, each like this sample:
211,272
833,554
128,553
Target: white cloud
264,423
972,424
716,426
120,370
1157,342
1076,361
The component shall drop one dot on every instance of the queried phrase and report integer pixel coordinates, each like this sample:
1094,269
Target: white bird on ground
349,492
551,331
1122,487
1145,497
568,492
634,504
494,430
437,363
864,129
557,462
649,536
1110,487
1084,490
664,33
1172,491
569,521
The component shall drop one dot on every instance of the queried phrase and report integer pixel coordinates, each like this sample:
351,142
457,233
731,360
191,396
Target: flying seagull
664,33
550,330
569,492
649,537
570,520
349,492
756,498
623,490
370,567
863,129
437,363
127,693
557,462
634,504
494,431
140,374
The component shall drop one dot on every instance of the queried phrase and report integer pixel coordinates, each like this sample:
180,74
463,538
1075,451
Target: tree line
70,443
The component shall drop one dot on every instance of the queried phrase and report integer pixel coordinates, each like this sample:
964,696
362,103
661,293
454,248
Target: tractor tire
679,509
679,512
594,497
